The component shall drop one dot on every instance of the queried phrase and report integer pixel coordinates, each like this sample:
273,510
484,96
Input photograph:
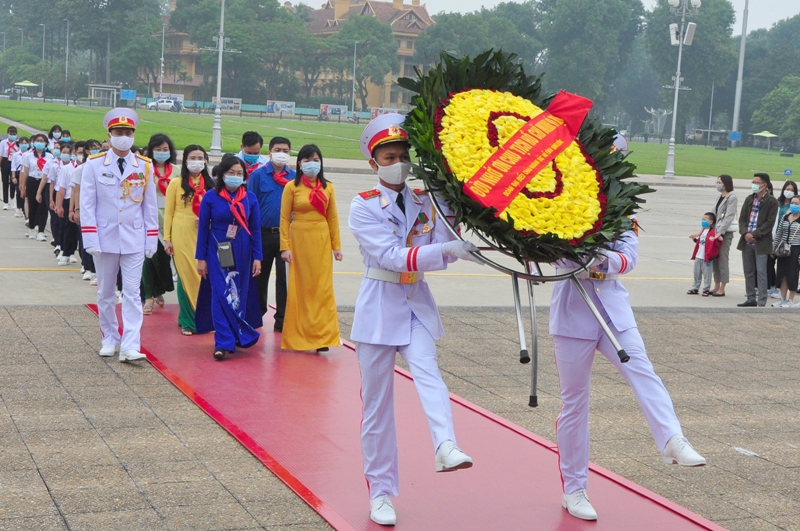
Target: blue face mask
794,209
12,138
94,152
233,181
251,159
23,147
73,157
66,157
311,168
705,224
56,152
66,139
161,156
38,145
56,135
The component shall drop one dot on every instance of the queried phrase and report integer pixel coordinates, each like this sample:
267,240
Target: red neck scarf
163,180
237,208
252,167
317,197
40,160
280,178
199,192
12,147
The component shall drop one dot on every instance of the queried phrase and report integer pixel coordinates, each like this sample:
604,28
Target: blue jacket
268,192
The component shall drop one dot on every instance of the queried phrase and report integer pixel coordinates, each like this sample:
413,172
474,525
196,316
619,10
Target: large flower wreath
466,111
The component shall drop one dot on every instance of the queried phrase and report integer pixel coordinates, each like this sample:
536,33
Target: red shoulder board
369,194
420,191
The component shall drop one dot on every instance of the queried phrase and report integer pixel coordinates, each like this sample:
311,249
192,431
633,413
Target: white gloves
461,250
94,251
149,253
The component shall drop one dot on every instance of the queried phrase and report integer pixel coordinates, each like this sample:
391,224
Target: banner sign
277,107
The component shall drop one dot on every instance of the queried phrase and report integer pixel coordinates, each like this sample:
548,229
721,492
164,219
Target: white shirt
30,161
64,178
16,160
5,144
75,178
701,248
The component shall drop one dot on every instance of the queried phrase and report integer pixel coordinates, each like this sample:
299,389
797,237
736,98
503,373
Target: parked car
165,105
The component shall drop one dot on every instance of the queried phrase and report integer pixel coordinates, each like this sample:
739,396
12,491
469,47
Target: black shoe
323,349
747,304
278,328
219,355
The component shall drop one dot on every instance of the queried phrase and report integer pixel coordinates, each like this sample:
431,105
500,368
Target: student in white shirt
8,146
16,160
90,147
33,165
69,231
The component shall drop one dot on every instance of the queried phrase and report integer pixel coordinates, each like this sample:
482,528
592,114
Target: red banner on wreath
528,152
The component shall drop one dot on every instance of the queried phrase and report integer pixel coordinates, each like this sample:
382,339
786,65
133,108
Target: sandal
186,332
147,309
219,355
717,294
706,293
692,292
160,301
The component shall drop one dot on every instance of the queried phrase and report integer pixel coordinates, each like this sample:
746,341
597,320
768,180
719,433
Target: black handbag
784,249
225,255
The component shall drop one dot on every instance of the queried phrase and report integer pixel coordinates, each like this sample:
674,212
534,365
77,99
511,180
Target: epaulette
420,191
370,194
96,156
138,156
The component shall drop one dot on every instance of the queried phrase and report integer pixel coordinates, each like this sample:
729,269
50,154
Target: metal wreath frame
533,276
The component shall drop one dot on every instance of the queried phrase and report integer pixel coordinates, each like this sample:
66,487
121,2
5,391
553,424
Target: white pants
107,265
378,432
574,360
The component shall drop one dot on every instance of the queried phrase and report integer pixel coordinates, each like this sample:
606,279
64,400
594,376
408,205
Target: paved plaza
89,443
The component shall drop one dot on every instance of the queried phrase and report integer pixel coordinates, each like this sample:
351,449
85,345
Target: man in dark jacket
755,225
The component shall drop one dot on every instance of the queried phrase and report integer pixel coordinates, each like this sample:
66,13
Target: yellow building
183,72
407,22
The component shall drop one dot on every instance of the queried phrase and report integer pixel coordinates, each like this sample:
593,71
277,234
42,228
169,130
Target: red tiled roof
409,19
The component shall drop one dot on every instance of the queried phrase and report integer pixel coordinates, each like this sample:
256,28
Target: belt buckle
408,278
596,275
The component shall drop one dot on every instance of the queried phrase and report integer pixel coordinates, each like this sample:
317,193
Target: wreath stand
532,275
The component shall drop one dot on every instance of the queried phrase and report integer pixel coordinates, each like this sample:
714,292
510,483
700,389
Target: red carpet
300,414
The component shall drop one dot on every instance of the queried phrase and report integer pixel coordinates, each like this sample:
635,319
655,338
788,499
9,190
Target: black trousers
20,199
271,247
69,232
37,212
58,225
87,260
8,187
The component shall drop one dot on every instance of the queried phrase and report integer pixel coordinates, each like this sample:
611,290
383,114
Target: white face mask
195,166
395,174
121,143
788,194
280,158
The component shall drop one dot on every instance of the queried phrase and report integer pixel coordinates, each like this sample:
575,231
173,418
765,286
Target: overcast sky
763,13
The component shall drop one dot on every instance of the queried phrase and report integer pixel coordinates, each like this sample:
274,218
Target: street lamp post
21,37
161,77
216,130
678,7
66,68
737,102
355,47
43,34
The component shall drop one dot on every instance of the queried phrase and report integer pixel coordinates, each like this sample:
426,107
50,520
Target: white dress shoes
381,510
449,457
131,355
578,505
679,451
107,351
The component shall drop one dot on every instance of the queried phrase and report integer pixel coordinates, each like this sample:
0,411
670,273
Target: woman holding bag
726,226
229,255
787,252
309,243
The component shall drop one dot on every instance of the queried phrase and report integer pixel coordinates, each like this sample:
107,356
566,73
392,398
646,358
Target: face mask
720,187
161,156
73,157
79,158
56,152
65,157
233,181
788,194
12,138
280,158
756,188
311,168
94,151
794,209
66,139
705,224
23,147
395,174
56,135
38,145
195,166
121,143
251,159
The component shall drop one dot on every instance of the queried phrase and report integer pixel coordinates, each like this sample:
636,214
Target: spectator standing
250,152
309,243
8,146
33,165
788,267
706,249
725,227
755,226
180,230
230,214
267,184
788,191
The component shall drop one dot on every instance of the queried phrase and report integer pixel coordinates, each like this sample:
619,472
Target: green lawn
341,140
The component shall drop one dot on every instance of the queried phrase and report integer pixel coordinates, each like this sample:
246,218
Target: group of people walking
769,239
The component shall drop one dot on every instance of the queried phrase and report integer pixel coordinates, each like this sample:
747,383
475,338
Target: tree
637,86
710,58
377,52
311,58
588,43
780,110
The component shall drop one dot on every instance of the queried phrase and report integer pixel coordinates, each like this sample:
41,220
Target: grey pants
702,273
721,264
753,264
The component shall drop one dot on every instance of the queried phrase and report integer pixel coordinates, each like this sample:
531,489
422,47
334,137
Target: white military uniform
120,217
577,335
392,317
